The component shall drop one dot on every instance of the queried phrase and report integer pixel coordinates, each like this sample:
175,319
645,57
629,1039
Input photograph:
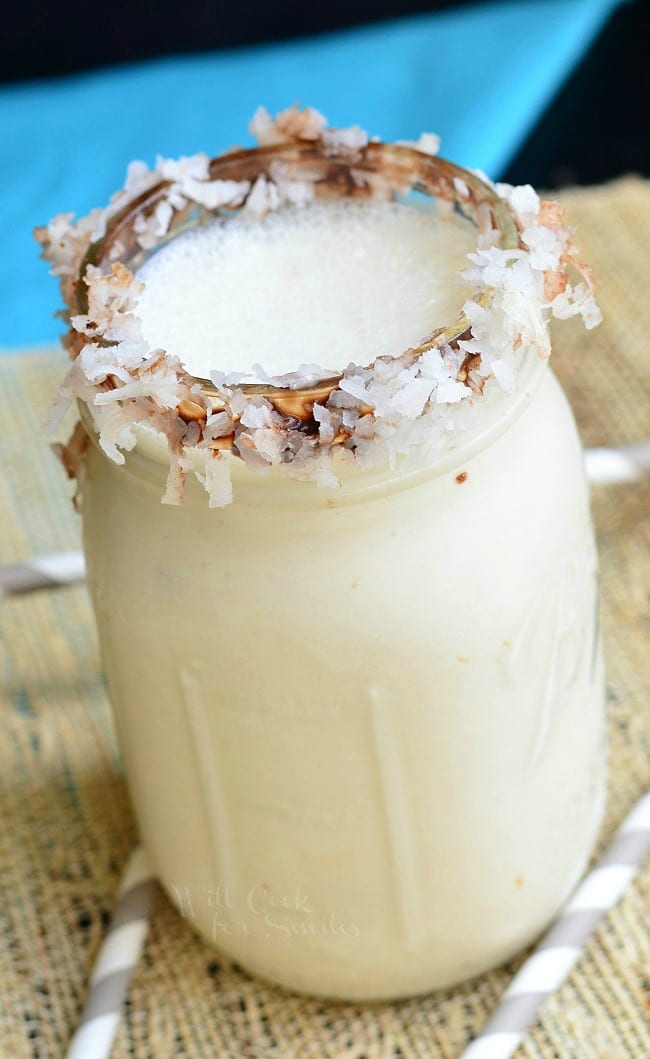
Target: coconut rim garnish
407,404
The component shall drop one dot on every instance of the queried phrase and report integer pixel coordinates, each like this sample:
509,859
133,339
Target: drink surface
328,283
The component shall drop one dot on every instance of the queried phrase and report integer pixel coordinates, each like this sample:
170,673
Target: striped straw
540,975
561,947
116,961
46,571
625,463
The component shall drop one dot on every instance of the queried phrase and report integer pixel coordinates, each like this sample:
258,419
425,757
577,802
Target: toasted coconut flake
71,454
289,124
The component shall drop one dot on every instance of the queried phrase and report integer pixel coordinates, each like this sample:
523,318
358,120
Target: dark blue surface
479,76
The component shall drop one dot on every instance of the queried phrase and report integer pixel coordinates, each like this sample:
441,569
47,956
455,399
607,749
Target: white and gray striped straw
561,947
540,975
623,463
45,571
116,961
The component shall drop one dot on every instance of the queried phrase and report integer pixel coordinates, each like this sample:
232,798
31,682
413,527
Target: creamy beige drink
361,712
322,284
363,733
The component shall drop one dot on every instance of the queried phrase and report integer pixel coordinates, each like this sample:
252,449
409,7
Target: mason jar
363,730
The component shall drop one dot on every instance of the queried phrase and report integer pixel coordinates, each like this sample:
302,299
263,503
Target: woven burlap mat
65,824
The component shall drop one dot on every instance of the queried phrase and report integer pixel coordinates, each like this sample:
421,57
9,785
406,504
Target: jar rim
149,459
409,403
400,167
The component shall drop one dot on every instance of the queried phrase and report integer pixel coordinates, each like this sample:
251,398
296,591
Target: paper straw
540,975
46,571
558,951
116,961
626,463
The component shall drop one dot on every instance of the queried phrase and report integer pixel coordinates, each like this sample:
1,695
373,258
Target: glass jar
363,731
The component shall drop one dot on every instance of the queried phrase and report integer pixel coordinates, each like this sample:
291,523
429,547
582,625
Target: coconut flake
428,143
263,197
341,141
461,188
217,480
289,124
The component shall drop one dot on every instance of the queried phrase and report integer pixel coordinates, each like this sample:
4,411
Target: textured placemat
65,823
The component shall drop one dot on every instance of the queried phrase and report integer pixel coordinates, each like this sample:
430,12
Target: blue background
479,76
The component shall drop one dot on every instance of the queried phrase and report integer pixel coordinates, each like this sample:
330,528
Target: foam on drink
328,284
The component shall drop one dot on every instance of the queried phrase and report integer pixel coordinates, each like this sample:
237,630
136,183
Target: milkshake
322,284
357,687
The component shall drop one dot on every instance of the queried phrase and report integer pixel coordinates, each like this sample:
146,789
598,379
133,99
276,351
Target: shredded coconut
397,409
289,124
349,140
428,143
